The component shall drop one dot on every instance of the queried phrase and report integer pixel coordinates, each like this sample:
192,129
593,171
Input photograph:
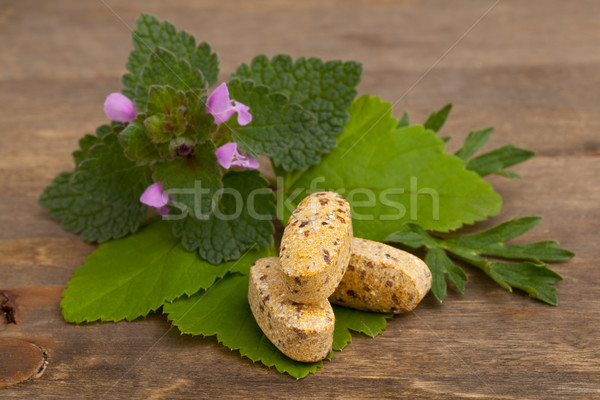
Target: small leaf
278,128
530,278
500,233
325,89
474,141
163,68
496,160
107,175
149,34
245,212
347,319
437,119
128,278
403,123
440,265
137,145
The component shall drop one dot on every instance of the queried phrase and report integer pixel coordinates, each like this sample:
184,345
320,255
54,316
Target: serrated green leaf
202,314
531,278
437,118
278,128
93,219
191,181
92,200
326,89
403,122
347,319
130,277
149,34
163,68
137,145
474,141
107,175
405,171
496,160
223,310
441,266
241,220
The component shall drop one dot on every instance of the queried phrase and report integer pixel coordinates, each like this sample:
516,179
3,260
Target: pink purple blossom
228,156
119,108
155,197
222,107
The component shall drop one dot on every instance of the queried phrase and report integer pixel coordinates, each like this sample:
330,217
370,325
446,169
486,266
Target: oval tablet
382,278
315,248
303,332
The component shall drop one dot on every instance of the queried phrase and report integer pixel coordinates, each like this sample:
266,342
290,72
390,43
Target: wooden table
531,69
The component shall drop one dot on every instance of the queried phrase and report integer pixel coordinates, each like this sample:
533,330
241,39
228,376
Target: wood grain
531,69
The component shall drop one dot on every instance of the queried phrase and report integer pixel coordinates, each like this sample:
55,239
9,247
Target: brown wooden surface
531,69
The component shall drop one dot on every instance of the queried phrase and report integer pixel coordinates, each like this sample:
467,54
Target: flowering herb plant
192,153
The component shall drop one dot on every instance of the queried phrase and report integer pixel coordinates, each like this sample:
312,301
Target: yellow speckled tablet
303,332
316,245
382,278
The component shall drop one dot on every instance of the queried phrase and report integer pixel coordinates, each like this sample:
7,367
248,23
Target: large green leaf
128,278
326,89
223,310
391,175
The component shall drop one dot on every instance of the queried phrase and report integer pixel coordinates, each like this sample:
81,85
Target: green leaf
441,266
535,279
326,89
403,123
149,34
241,219
93,219
496,160
223,310
278,128
107,175
191,181
202,314
437,119
128,278
474,141
100,199
164,68
137,145
347,319
390,176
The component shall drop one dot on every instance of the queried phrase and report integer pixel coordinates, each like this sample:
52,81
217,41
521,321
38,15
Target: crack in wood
7,308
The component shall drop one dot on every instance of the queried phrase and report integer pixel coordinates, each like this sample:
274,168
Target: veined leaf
149,34
203,314
325,89
390,176
130,277
535,279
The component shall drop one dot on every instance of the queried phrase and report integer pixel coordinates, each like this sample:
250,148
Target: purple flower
228,156
222,107
153,196
119,108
